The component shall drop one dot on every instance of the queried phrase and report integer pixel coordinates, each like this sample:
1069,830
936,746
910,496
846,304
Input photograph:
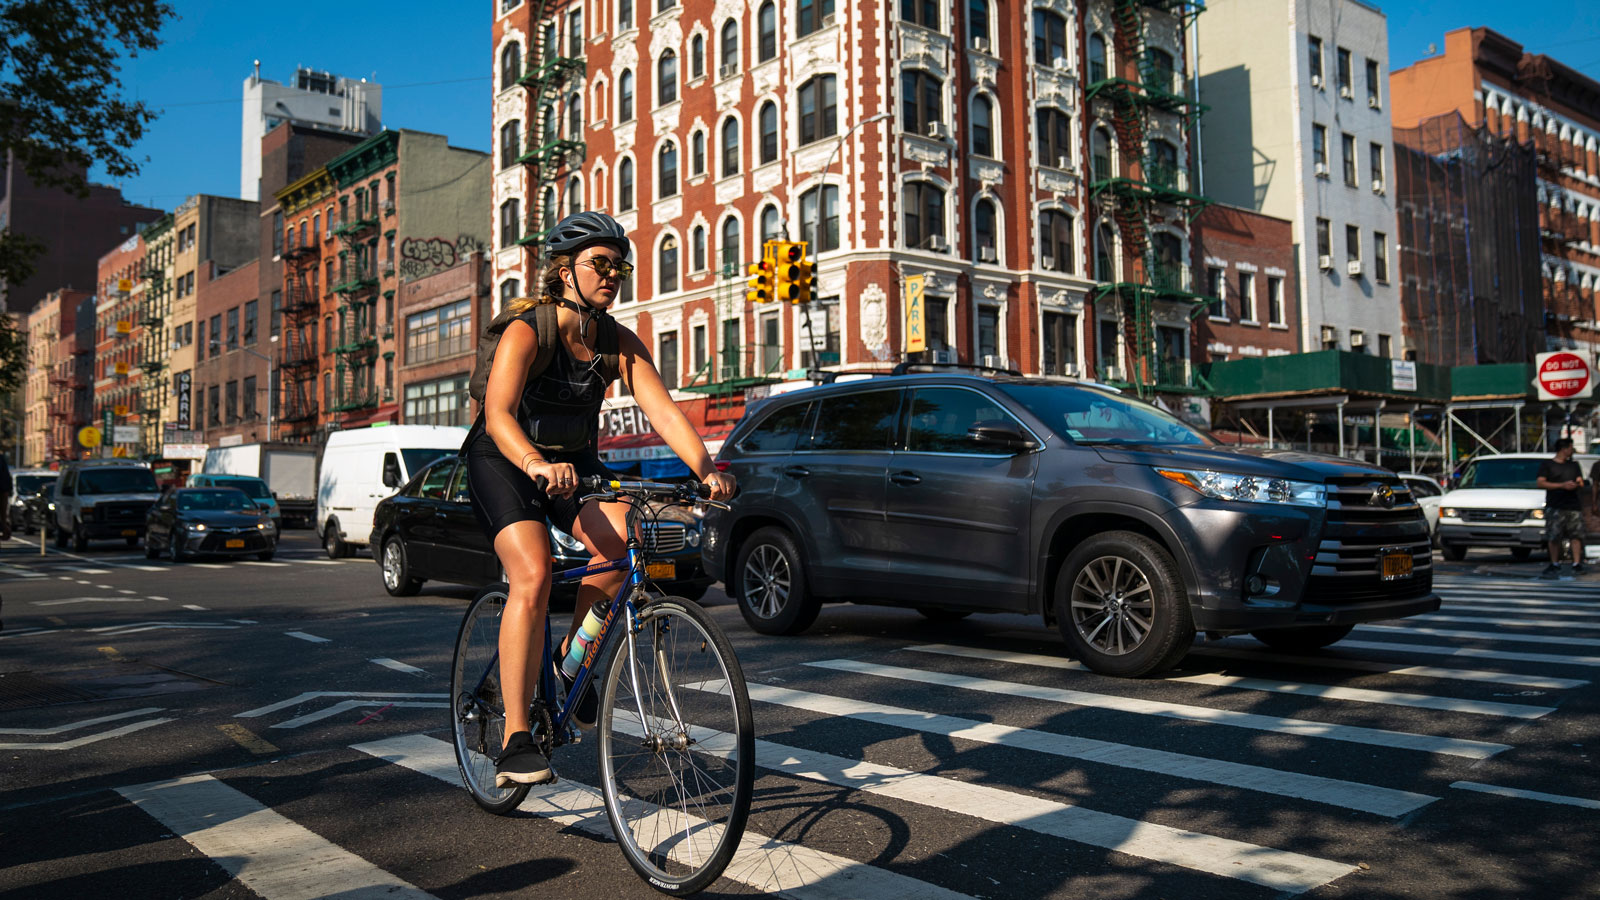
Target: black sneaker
1551,571
588,708
1578,569
521,763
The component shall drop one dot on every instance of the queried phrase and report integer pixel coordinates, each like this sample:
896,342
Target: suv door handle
797,471
906,478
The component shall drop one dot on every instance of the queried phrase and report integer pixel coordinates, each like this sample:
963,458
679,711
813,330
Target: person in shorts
1561,478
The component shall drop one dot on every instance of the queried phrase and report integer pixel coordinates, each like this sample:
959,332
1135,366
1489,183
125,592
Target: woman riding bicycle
544,428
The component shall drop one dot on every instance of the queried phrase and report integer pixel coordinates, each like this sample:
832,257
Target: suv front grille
1360,528
1494,516
664,537
130,512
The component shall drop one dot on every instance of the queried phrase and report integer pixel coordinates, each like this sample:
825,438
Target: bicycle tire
678,840
477,717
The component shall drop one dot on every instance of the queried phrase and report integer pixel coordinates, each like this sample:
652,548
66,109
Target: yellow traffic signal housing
760,282
804,282
789,256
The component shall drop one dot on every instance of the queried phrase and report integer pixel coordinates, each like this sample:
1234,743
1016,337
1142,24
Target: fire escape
356,346
549,156
1151,188
297,353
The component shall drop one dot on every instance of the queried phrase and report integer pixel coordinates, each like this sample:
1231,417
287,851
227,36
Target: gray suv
98,499
1130,530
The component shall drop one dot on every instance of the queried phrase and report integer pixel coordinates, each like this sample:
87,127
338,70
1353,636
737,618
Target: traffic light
788,256
760,282
804,279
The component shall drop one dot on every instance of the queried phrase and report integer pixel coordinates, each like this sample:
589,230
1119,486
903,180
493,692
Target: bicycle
675,734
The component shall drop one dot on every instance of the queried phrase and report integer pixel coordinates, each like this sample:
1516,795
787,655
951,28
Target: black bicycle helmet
579,230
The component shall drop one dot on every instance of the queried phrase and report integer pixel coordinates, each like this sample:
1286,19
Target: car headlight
565,540
198,526
1449,512
1535,513
262,526
692,538
1249,488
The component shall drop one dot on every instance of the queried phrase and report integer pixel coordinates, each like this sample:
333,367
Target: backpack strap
610,350
547,330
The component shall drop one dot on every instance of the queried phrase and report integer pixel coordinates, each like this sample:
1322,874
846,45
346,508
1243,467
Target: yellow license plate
660,570
1396,564
234,544
130,532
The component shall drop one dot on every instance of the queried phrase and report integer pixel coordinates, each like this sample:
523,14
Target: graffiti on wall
425,256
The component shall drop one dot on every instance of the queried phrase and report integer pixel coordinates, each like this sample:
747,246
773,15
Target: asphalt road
233,730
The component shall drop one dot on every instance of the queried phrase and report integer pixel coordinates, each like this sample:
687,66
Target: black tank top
559,410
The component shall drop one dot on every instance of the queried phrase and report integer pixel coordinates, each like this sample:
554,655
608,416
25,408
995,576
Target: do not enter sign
1563,375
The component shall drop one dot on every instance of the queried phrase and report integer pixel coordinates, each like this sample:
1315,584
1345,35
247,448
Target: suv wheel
80,541
332,543
397,578
1121,606
771,584
1453,552
61,537
1521,553
1310,637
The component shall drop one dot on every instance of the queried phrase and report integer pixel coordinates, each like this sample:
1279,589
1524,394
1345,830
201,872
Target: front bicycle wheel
477,710
677,746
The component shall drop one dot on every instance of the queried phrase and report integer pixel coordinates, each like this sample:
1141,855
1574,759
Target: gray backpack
548,332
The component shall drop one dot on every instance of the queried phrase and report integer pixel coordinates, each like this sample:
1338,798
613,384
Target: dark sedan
208,522
426,532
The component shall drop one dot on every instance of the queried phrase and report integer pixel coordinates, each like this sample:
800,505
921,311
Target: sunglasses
605,268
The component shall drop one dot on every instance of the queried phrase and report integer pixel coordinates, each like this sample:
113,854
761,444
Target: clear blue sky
435,64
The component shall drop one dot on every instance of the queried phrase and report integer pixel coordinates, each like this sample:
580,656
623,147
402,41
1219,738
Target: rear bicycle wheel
477,710
677,747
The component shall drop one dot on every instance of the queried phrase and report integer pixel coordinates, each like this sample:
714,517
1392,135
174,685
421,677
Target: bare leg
600,526
524,550
1577,551
1555,553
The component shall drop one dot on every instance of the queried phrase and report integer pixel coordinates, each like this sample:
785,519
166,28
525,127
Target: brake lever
604,497
717,503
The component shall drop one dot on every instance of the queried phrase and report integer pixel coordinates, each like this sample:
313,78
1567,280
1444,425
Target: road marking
244,621
83,723
110,652
398,666
1515,623
268,853
29,632
82,571
1472,653
64,577
1590,613
313,695
1383,668
208,565
1401,740
769,865
1245,683
65,601
148,568
247,739
1497,599
103,587
137,627
1485,635
154,597
347,705
1348,795
1523,794
84,583
194,606
125,591
309,637
262,562
320,562
86,739
56,620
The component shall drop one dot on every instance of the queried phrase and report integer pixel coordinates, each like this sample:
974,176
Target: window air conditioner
828,20
729,70
1358,339
1064,162
988,255
1316,82
944,356
939,131
1325,263
1345,92
1059,62
1353,267
1070,369
1321,169
1330,334
1377,186
1110,372
980,44
991,361
938,244
1048,262
1372,102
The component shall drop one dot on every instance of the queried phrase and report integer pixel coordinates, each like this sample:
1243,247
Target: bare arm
640,375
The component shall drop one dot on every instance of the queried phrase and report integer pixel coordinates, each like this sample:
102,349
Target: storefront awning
623,449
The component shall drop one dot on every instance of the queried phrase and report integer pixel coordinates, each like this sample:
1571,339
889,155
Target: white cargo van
364,465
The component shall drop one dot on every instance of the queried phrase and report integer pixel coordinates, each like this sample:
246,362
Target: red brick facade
1246,259
439,319
227,373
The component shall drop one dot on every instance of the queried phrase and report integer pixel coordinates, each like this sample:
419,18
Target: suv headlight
1249,488
1449,512
1535,513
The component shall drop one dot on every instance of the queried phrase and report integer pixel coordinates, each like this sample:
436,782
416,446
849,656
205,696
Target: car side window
861,421
779,432
939,419
434,482
459,491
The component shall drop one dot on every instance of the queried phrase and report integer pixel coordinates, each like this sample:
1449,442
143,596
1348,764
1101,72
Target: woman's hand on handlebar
720,484
555,479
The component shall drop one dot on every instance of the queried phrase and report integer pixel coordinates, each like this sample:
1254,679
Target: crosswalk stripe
319,562
1532,582
1486,635
1349,795
1383,668
1522,623
347,705
765,863
1524,794
1472,653
265,563
1499,599
1240,682
269,854
1589,613
1463,747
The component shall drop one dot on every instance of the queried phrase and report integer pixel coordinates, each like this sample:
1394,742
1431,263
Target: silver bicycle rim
479,726
766,581
1113,605
671,746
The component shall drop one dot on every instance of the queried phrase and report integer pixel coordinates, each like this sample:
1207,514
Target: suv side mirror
1002,435
391,471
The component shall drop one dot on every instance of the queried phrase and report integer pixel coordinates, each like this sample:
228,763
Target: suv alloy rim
766,581
391,565
1113,605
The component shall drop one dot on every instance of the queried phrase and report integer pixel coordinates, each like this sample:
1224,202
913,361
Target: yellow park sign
124,285
916,314
120,409
89,436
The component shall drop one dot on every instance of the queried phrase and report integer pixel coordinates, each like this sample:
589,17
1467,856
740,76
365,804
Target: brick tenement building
53,380
440,318
1247,261
234,380
1491,81
126,349
958,141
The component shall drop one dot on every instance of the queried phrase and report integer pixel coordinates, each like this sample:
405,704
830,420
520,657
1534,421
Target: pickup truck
1497,503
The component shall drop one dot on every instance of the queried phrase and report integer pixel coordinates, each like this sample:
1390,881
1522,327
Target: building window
250,323
1375,153
1373,100
667,170
728,51
664,5
811,14
1215,288
767,32
249,399
920,12
1247,297
697,247
575,33
667,360
1055,241
625,185
1347,145
697,153
230,396
920,100
1319,150
938,322
442,402
510,289
441,332
771,344
1385,346
215,396
924,215
625,15
978,25
819,218
1346,84
510,222
697,56
1314,50
732,252
982,126
771,224
233,328
667,262
547,210
667,78
819,115
1380,257
550,123
732,355
277,313
984,231
730,146
1275,301
510,143
699,349
1324,238
767,127
988,330
575,202
1105,253
1352,242
1060,334
575,116
1097,59
1049,38
625,96
510,65
1054,130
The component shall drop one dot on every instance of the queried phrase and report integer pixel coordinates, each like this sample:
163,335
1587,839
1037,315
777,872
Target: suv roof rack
910,368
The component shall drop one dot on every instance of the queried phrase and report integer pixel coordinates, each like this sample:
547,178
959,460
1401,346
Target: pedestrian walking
1561,478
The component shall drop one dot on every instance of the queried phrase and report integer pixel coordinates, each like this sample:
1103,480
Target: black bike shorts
503,494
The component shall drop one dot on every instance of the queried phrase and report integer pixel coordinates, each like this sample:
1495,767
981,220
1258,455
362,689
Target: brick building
124,354
986,150
53,413
234,377
440,318
1491,81
1246,260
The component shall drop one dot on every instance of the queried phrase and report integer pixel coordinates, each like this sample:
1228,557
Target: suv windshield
31,484
1088,416
253,487
116,481
213,498
1501,473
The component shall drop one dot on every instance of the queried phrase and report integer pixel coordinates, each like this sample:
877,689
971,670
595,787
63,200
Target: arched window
574,195
697,247
1161,71
810,15
982,126
921,102
767,32
625,96
771,224
697,56
575,116
984,236
1100,155
1097,59
732,251
624,15
1105,253
923,202
510,65
730,146
978,24
666,78
549,123
667,265
1054,130
1055,241
1162,166
819,109
667,169
768,124
1168,249
697,153
510,225
1049,37
548,210
819,218
729,49
625,185
920,12
510,143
